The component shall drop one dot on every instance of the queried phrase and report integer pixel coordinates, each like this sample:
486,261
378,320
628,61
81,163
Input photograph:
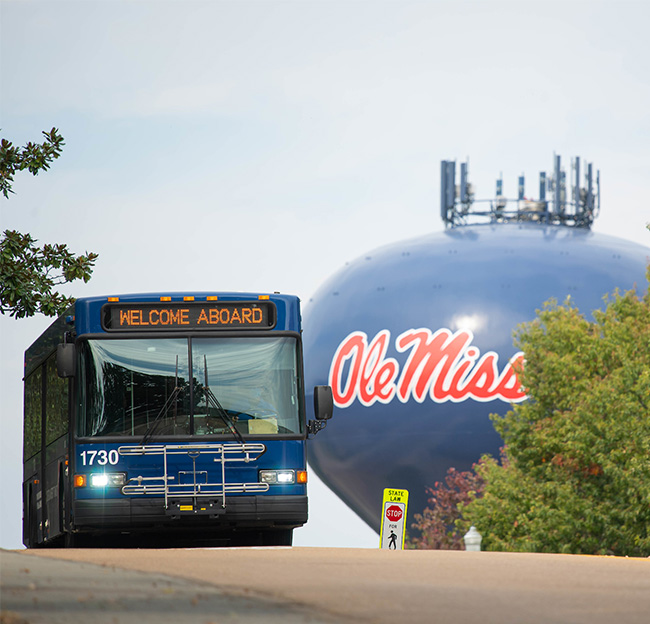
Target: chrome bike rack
162,485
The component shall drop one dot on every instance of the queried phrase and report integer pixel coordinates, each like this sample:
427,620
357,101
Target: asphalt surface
37,590
321,585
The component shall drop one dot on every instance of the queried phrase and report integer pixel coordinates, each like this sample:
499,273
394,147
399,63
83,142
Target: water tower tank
416,337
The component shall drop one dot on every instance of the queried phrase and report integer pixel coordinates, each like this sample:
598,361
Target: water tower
416,337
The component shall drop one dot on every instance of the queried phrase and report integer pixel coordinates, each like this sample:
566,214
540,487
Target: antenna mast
459,207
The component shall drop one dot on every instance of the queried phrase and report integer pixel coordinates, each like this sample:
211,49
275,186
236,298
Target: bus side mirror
323,408
323,402
65,360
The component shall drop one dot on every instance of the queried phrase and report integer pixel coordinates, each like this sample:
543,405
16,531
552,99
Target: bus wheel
76,540
31,520
61,501
278,537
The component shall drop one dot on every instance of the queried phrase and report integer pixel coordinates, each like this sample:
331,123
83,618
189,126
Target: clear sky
259,145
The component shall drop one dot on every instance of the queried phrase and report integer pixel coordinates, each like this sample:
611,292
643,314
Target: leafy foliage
575,476
437,523
28,273
34,157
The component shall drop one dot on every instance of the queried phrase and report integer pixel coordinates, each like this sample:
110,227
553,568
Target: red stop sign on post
394,513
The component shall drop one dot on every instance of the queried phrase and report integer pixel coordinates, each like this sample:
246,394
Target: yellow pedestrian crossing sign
393,519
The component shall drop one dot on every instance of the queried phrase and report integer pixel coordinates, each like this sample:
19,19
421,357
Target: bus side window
33,408
56,402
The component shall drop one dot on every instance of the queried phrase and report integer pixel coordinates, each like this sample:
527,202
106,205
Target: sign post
393,519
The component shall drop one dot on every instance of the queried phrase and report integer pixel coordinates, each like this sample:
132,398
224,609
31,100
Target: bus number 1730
102,457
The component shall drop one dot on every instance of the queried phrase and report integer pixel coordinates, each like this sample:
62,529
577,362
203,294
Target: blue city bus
168,416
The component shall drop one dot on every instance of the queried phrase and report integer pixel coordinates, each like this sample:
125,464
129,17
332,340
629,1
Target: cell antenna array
458,205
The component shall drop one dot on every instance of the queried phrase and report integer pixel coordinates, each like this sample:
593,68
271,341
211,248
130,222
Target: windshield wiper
210,398
163,411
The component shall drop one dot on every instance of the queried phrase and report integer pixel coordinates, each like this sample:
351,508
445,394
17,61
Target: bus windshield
189,387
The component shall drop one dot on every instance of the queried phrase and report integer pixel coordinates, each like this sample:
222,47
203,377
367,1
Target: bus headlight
277,477
107,479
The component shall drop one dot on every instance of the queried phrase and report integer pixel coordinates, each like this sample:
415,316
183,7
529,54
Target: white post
472,539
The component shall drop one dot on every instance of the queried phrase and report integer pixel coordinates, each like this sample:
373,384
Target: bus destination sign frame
188,316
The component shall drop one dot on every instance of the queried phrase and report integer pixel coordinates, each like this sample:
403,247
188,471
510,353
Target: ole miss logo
441,366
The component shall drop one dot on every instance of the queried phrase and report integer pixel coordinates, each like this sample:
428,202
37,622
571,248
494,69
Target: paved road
44,590
343,585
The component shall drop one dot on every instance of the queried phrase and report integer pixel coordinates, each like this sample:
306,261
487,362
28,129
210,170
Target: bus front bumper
240,511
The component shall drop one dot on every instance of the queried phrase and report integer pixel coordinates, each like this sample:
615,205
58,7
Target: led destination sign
208,315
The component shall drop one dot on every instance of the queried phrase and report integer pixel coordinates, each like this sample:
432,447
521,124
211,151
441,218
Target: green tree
29,274
574,476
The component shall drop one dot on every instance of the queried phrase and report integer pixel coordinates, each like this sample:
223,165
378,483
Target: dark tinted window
33,407
56,402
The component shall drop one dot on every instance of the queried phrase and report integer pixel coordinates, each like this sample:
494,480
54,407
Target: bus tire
61,526
31,520
278,537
